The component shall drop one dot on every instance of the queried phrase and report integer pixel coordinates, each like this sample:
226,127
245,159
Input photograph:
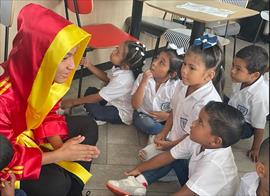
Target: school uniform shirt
252,101
186,109
249,184
155,100
117,92
211,172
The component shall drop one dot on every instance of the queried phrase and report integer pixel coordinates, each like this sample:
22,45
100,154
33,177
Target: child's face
117,55
160,66
65,67
239,72
200,131
193,70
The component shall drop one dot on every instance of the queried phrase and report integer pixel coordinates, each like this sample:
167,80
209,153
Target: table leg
136,17
197,30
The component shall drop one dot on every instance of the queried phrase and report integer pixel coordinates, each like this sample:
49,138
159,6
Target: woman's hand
159,115
68,103
134,172
8,186
73,150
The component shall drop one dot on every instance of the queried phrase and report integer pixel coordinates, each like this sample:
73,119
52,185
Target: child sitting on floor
251,93
153,90
112,103
211,169
257,183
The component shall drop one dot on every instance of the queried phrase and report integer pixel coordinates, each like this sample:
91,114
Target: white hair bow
179,51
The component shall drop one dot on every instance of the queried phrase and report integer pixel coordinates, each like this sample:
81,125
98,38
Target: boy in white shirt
251,93
211,169
257,183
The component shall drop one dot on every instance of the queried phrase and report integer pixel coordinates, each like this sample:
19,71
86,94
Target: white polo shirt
249,184
117,92
252,101
186,109
211,172
155,100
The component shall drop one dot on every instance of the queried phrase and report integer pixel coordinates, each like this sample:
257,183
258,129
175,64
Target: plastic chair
230,28
155,26
103,35
265,17
6,18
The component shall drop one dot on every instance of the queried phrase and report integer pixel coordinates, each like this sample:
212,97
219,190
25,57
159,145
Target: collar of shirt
208,151
117,70
253,88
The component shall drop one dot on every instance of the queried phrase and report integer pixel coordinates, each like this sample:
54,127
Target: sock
141,179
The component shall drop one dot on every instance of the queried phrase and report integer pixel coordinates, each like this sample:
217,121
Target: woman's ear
260,169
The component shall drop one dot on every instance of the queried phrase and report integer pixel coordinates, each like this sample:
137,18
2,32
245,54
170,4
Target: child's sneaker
100,122
127,186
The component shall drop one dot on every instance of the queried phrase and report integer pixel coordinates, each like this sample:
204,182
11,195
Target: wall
109,11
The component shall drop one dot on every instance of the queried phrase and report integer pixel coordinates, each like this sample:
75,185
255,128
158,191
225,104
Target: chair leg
257,33
81,77
6,43
234,45
224,57
156,49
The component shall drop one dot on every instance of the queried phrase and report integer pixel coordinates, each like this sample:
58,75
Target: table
201,18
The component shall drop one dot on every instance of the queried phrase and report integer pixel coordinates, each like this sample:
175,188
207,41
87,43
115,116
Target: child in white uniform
113,102
211,169
153,90
251,93
257,183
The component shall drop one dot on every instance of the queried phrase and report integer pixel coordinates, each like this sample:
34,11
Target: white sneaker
100,122
128,186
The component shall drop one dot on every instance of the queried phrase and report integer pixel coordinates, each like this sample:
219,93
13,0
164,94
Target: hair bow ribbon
179,51
205,41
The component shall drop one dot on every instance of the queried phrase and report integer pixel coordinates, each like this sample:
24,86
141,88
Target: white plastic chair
6,18
265,17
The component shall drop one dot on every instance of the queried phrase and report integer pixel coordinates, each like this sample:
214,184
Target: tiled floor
119,145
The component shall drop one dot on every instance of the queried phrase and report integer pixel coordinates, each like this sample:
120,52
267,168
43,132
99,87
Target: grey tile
123,154
122,134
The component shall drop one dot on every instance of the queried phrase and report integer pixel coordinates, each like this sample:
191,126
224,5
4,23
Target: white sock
141,179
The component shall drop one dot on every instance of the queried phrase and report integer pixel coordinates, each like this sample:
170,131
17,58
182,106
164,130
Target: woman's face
65,67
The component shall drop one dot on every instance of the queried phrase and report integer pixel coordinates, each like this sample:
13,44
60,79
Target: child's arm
159,115
166,129
68,103
158,161
184,191
253,153
55,141
100,74
71,150
137,97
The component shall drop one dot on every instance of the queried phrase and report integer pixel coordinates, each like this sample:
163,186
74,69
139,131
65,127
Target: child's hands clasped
73,150
7,186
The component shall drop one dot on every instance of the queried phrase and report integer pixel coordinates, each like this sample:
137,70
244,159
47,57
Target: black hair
134,56
225,121
175,61
212,58
6,152
264,152
255,57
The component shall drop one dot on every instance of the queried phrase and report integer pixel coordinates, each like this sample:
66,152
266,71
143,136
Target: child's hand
7,187
134,172
164,145
67,103
159,116
73,150
159,137
85,62
253,154
147,75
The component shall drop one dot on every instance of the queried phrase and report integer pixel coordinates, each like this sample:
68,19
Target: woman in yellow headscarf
38,72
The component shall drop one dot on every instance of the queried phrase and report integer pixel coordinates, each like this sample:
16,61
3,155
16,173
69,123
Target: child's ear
260,169
216,142
210,74
255,75
173,74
